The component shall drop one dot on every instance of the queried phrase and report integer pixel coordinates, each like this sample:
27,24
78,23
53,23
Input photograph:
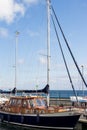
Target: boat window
31,103
43,103
13,102
24,103
19,102
40,102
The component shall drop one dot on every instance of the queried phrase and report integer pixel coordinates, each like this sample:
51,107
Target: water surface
11,127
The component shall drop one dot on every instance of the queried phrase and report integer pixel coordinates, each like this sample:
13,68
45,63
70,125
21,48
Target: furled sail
44,90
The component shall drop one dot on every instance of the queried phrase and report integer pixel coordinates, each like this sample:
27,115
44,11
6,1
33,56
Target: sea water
11,127
66,93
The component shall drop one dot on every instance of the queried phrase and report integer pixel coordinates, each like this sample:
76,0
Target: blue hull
41,121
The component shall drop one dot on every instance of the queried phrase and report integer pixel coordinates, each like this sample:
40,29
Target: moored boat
32,111
3,99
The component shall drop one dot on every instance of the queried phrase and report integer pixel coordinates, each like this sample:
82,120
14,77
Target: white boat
3,99
79,98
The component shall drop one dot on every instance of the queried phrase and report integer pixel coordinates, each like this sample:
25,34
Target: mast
16,46
48,47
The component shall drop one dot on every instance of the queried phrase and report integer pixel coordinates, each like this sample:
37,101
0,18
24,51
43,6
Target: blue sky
29,18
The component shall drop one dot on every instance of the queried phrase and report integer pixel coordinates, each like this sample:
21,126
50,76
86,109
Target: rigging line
64,58
69,47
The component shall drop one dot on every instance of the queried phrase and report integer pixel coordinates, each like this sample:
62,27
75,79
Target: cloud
43,60
9,10
3,32
21,61
19,8
33,34
30,1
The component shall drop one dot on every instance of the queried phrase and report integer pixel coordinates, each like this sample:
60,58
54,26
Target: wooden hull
45,121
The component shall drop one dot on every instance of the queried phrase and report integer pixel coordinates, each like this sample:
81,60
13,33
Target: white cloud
33,34
19,8
43,60
30,1
21,61
3,32
9,10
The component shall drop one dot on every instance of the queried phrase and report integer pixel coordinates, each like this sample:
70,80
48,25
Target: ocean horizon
66,93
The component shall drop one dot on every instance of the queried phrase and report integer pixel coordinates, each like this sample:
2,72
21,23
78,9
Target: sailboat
34,110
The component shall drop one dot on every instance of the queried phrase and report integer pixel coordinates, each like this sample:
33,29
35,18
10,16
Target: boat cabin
30,105
25,104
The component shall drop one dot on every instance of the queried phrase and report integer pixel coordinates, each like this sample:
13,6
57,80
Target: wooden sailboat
35,111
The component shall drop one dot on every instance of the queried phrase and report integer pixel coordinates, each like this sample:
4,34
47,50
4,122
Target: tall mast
16,46
48,46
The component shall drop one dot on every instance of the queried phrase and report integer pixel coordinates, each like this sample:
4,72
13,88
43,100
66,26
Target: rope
64,59
69,47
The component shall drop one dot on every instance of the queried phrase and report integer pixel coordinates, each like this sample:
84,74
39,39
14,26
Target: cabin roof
25,97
